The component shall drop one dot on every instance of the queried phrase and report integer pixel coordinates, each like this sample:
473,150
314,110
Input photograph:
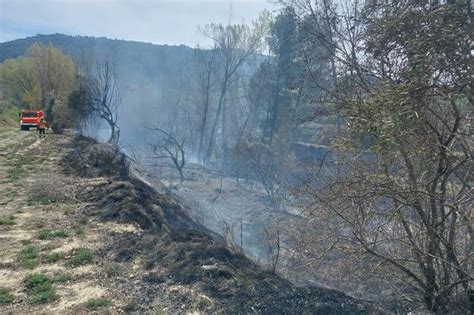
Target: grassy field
48,251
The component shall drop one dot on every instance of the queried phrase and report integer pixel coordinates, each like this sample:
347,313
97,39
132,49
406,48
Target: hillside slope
79,234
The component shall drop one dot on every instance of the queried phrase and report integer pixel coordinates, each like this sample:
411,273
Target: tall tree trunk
210,147
204,118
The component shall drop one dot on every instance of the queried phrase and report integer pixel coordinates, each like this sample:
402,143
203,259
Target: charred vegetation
179,251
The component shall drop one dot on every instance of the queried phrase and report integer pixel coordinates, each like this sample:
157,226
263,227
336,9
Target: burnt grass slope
179,252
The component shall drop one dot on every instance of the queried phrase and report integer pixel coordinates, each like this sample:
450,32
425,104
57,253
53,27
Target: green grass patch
63,277
68,210
25,242
95,304
6,297
80,231
40,288
29,257
12,195
21,160
45,234
113,270
15,173
55,257
81,257
9,220
17,167
48,247
10,113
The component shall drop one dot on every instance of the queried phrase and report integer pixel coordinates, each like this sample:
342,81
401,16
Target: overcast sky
157,21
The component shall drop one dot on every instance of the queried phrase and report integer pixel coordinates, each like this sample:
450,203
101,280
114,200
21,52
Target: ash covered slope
180,253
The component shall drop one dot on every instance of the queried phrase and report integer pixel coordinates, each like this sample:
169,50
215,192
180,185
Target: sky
171,22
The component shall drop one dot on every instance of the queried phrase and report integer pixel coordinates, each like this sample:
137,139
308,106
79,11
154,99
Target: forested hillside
145,70
84,47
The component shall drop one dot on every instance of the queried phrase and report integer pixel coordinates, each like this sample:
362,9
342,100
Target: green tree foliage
403,201
42,79
19,83
289,93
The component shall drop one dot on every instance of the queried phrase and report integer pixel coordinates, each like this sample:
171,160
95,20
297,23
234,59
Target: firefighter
41,128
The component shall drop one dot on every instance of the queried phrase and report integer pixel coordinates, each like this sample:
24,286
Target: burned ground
177,251
96,240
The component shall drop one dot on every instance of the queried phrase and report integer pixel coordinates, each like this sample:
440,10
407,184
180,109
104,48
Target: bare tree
105,97
169,145
271,242
206,63
234,45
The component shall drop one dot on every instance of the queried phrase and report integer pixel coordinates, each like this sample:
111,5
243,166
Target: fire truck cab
30,118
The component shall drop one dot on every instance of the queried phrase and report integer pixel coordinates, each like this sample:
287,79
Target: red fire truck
30,118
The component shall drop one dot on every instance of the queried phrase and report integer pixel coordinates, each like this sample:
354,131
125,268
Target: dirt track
52,231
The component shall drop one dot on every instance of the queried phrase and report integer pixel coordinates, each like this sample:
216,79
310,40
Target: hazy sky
156,21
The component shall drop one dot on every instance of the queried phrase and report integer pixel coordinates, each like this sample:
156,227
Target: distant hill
151,75
84,46
137,59
153,78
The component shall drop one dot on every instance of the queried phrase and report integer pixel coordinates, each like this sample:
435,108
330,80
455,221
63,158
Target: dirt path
48,251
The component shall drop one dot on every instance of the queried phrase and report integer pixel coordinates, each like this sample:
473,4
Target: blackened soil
179,253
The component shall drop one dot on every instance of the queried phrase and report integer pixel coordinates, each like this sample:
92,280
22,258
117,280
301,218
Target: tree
403,201
55,74
283,44
206,70
104,97
234,45
169,145
38,79
19,83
